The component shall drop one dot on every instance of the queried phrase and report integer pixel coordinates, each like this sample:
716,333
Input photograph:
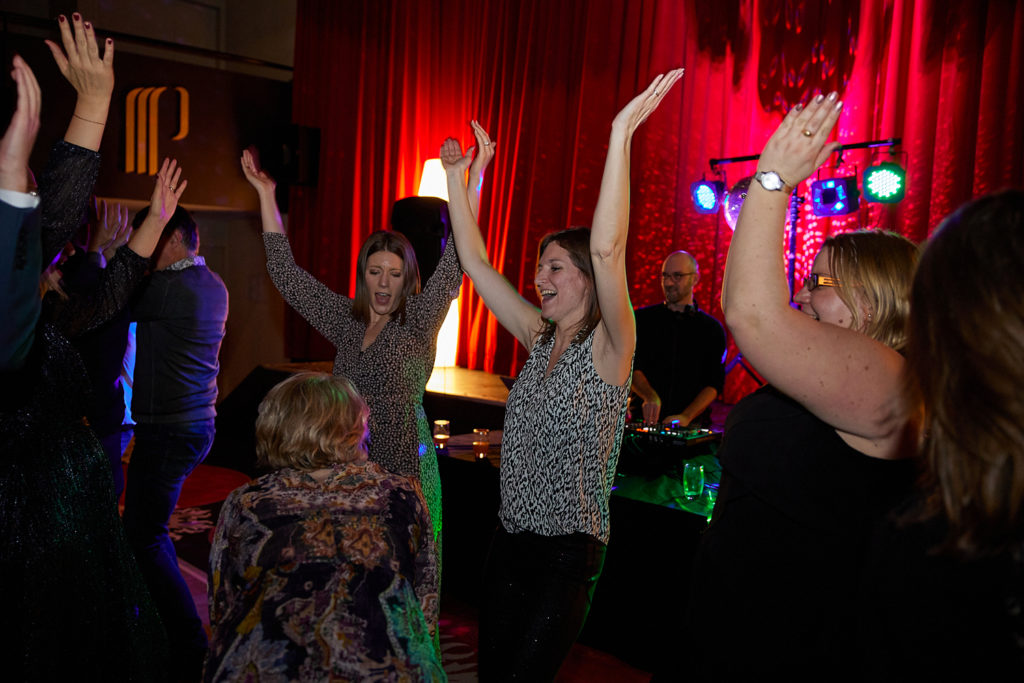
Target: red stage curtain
387,81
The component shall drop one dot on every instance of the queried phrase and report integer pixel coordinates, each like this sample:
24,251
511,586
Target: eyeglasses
675,277
813,281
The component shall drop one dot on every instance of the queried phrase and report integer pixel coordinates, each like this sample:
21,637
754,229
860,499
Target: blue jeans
163,457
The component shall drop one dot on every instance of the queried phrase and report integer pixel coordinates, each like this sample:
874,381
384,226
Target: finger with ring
807,133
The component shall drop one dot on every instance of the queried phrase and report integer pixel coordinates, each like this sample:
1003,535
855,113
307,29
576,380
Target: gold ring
807,133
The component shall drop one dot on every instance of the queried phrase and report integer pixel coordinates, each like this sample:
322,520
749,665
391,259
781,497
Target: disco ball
734,200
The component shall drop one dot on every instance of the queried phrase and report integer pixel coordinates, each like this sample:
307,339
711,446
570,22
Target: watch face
770,180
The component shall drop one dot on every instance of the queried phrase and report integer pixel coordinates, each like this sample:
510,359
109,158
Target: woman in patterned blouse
565,413
323,569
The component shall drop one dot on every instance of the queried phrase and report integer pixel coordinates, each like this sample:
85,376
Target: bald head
679,274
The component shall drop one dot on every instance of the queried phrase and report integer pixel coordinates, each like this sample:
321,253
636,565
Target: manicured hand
798,146
91,75
644,104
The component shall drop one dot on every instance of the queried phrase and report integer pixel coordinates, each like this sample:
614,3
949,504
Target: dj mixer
660,449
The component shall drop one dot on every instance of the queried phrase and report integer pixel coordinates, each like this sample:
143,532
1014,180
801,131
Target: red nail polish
110,41
76,16
62,18
88,25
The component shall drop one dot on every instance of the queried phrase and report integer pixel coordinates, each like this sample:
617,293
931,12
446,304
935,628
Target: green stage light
885,183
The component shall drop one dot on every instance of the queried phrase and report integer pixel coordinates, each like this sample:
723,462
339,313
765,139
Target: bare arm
91,75
162,204
844,377
484,154
697,406
616,341
265,187
515,313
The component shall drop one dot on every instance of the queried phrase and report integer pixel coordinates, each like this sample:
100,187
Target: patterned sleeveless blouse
561,444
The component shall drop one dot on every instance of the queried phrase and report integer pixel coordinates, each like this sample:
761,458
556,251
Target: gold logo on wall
141,116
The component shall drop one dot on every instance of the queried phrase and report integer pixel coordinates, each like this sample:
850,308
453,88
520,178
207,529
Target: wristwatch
771,181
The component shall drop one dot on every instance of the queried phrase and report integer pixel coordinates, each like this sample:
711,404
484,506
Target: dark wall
227,111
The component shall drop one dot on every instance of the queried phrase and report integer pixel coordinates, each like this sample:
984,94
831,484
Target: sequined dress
76,606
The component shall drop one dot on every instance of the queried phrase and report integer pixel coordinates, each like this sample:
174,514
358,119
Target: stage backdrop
387,81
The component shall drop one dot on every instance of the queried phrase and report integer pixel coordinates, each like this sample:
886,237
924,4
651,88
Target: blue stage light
835,196
707,195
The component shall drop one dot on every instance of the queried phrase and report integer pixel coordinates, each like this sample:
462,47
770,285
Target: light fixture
433,181
835,196
707,195
885,183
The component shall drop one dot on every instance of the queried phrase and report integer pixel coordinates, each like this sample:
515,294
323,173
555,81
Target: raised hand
167,191
452,158
798,146
110,222
484,152
16,145
256,176
641,106
90,75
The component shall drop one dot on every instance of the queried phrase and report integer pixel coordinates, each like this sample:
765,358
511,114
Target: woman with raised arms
564,416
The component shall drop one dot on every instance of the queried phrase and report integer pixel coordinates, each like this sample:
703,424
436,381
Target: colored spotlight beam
707,195
885,183
835,196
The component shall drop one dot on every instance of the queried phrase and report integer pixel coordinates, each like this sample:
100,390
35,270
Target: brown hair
966,368
875,270
576,241
396,243
309,421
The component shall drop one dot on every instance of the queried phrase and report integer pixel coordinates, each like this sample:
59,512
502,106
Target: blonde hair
875,270
309,421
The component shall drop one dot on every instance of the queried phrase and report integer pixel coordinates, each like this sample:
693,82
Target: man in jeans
181,309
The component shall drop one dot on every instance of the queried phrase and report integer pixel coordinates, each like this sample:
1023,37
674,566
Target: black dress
776,577
75,605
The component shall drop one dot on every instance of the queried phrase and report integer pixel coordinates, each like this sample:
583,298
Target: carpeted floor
192,527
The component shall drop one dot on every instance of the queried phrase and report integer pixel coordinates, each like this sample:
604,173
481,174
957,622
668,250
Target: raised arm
847,379
614,346
265,188
515,313
20,251
88,309
162,204
91,75
484,155
322,307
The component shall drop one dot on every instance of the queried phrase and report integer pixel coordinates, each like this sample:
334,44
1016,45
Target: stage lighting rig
707,195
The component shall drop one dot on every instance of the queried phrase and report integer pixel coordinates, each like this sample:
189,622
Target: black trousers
537,593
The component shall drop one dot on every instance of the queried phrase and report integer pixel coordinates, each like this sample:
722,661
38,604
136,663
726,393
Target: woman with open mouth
386,336
564,416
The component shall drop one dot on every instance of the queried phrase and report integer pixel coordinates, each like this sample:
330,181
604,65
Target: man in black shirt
677,371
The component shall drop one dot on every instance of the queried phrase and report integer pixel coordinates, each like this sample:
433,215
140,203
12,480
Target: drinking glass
693,480
710,495
442,432
481,442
